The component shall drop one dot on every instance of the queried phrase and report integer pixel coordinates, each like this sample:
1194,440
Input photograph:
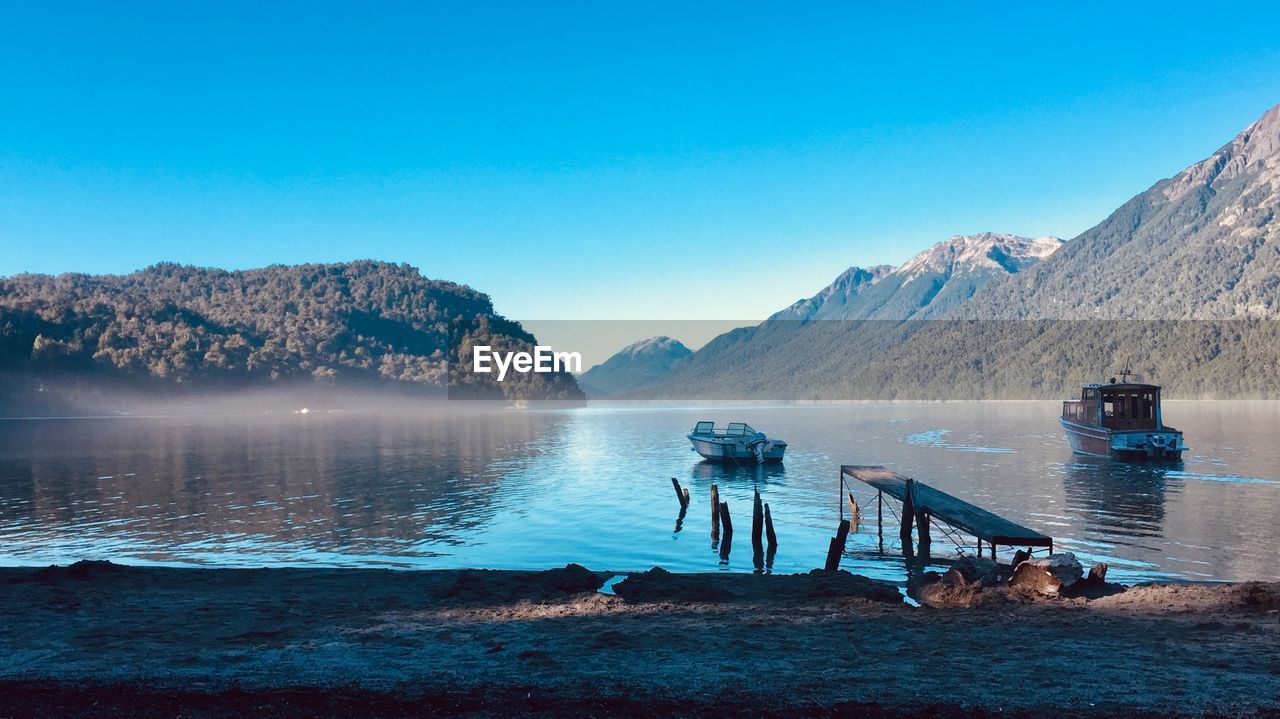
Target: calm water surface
533,489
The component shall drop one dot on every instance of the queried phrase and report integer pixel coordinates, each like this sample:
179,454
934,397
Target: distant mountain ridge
635,367
929,284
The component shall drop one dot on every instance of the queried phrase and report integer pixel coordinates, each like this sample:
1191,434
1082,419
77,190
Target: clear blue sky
598,160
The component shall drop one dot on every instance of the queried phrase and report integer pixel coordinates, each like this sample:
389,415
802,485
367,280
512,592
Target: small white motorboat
737,443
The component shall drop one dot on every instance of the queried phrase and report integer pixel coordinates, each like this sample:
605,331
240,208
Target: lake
517,489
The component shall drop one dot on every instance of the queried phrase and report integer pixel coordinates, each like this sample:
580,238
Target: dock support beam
908,515
880,519
922,527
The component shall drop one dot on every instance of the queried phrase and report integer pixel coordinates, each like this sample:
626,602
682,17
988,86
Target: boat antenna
1124,374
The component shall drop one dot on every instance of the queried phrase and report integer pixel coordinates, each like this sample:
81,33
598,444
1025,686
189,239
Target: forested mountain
634,367
172,327
1182,283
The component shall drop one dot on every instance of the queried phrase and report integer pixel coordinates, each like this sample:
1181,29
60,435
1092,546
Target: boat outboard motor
757,445
1157,448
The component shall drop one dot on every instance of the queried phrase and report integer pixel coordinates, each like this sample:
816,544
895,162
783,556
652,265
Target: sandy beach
104,640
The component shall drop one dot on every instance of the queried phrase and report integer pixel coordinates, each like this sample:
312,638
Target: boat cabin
1123,406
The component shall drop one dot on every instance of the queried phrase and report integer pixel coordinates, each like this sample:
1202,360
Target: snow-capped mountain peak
986,250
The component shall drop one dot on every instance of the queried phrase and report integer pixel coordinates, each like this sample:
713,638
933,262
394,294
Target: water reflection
544,488
1119,498
309,487
738,474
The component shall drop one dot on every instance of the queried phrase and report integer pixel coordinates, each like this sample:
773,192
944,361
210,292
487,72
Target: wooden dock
922,502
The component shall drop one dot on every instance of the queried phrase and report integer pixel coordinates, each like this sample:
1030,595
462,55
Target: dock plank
950,509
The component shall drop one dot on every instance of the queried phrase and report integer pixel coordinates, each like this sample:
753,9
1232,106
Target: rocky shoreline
97,639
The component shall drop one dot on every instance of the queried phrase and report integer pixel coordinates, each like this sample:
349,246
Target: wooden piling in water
837,546
727,543
768,529
725,522
757,524
682,495
855,512
715,511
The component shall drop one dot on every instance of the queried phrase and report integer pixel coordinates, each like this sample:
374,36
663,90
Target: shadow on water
1119,499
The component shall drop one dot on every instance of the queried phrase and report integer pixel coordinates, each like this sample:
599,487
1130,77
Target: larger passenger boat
1121,420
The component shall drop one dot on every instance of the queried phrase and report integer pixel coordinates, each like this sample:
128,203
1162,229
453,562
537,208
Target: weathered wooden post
725,522
757,524
837,546
727,542
715,512
682,495
768,529
855,512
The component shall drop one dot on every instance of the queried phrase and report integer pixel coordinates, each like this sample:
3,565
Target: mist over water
475,487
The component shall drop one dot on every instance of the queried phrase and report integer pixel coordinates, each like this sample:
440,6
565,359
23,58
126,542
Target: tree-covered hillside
171,327
1181,283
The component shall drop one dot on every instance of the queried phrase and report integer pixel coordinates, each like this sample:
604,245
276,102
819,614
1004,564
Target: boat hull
1135,445
734,451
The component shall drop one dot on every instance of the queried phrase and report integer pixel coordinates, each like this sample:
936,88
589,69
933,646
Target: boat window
1129,409
704,428
1073,411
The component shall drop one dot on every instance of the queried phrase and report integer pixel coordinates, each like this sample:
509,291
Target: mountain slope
1203,244
1197,257
834,297
170,327
637,366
